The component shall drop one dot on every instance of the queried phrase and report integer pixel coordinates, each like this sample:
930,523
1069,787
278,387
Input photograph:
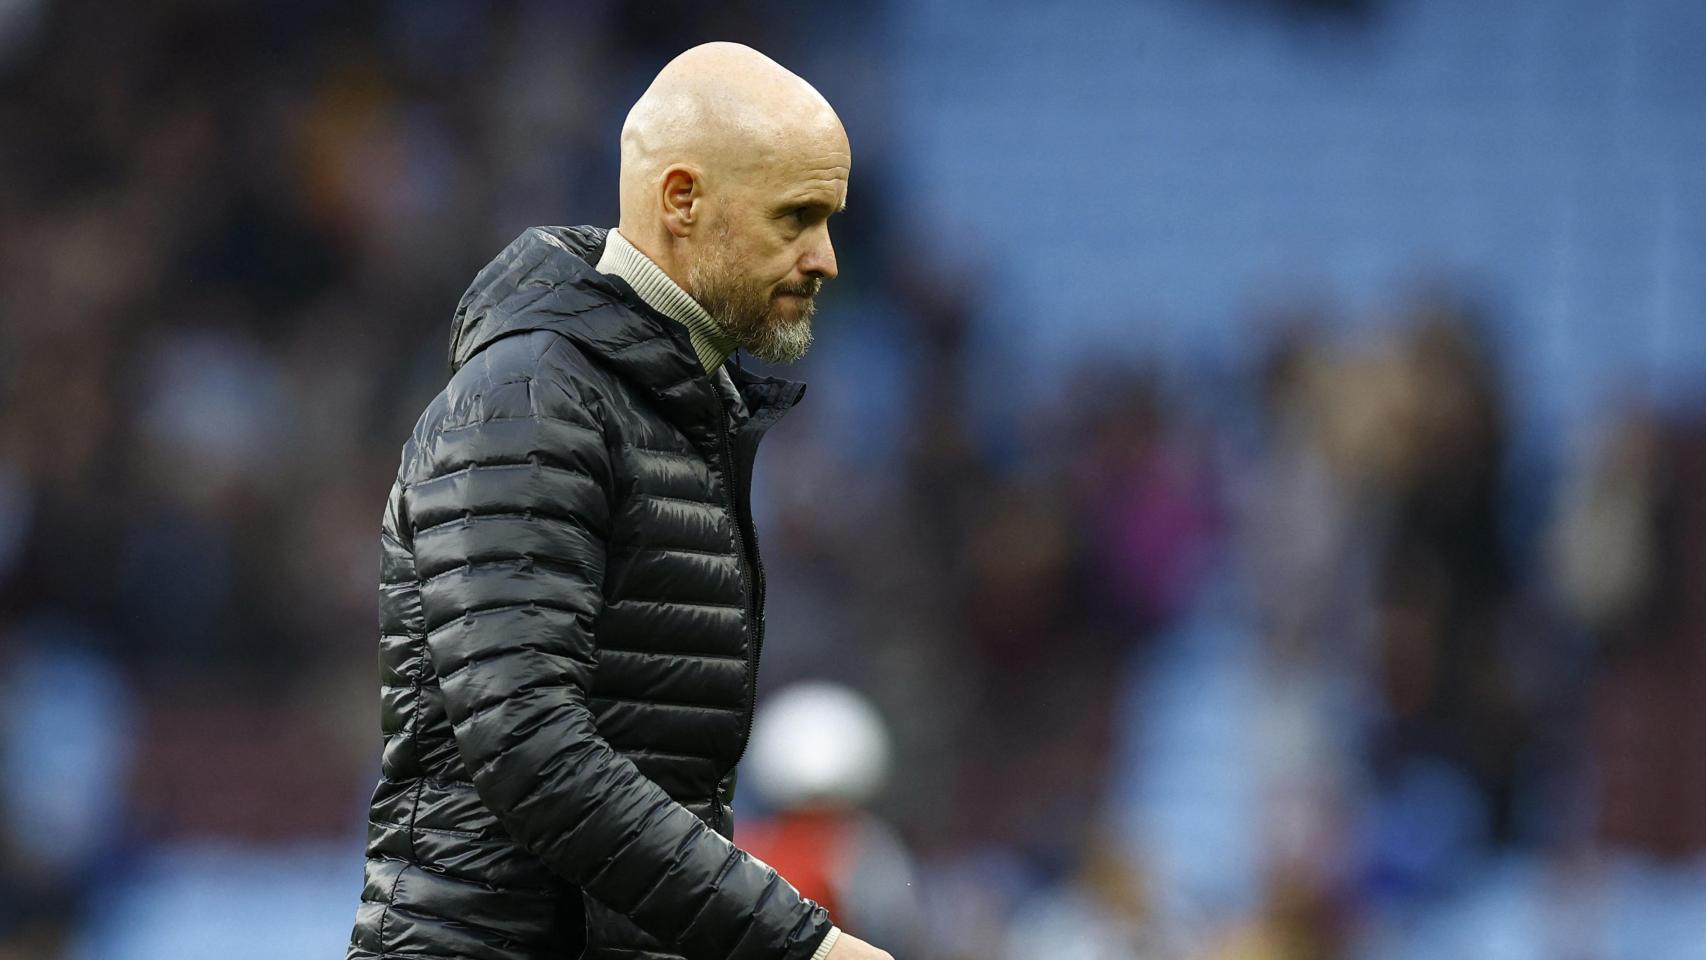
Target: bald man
571,597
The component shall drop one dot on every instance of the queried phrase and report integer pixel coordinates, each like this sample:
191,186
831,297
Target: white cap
815,743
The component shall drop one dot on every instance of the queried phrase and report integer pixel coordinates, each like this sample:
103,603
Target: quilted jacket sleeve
510,522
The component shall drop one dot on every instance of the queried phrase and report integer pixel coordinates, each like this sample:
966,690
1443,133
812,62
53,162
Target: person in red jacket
819,755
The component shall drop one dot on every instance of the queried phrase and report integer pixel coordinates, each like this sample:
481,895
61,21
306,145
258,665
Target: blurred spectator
1631,556
819,754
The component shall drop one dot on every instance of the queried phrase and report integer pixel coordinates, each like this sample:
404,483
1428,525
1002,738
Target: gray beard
745,311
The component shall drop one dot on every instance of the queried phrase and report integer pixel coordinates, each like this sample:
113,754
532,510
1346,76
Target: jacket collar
545,280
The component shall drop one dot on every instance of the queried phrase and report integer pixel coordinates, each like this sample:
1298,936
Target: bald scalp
731,169
725,110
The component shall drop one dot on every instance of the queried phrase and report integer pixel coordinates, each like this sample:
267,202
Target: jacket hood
545,280
544,275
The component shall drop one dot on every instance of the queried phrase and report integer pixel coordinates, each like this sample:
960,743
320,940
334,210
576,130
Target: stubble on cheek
772,327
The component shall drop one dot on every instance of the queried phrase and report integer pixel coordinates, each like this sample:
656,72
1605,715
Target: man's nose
820,259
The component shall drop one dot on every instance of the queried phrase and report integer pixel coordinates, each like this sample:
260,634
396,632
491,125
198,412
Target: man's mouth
803,293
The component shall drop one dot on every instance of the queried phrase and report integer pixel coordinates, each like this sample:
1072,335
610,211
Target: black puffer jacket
572,613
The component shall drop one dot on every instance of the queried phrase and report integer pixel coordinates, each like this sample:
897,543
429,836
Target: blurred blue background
1254,456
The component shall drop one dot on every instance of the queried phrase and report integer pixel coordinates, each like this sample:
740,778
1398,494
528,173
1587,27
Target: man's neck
622,259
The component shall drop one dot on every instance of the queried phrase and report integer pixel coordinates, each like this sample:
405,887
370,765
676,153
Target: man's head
731,167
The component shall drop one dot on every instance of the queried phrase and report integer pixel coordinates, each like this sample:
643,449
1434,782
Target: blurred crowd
1291,657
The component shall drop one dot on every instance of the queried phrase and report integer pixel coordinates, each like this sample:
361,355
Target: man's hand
849,947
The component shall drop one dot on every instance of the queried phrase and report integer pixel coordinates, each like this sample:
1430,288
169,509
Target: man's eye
800,215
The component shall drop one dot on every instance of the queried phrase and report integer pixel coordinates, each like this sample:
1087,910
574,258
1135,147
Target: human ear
680,193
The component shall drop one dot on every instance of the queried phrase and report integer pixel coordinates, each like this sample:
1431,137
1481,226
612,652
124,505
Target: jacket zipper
750,599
